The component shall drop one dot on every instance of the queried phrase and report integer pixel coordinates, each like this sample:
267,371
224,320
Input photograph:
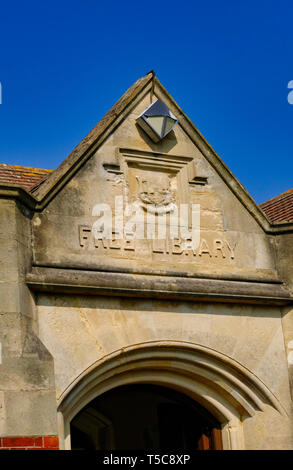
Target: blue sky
226,63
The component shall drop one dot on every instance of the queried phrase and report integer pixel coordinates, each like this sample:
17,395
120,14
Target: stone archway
217,383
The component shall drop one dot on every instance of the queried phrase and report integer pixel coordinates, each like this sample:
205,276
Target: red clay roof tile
24,176
279,208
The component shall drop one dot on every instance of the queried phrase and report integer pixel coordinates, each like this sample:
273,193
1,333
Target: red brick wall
29,443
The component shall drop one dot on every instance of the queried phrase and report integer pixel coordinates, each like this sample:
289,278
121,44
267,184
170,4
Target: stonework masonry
79,311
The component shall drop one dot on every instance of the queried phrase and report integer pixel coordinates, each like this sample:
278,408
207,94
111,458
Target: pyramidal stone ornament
157,121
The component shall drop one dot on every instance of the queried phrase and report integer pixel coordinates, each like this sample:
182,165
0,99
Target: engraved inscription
217,248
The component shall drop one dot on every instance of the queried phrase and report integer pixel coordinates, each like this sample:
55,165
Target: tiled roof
25,176
279,208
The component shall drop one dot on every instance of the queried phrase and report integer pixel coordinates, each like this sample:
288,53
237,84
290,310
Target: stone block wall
27,388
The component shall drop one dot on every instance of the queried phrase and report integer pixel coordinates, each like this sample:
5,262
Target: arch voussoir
229,391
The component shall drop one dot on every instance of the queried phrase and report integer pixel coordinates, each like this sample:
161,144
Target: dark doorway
144,417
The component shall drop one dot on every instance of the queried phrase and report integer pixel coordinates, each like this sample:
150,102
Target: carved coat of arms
156,194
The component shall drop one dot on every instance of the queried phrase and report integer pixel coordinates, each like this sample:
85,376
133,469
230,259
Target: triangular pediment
44,192
118,163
